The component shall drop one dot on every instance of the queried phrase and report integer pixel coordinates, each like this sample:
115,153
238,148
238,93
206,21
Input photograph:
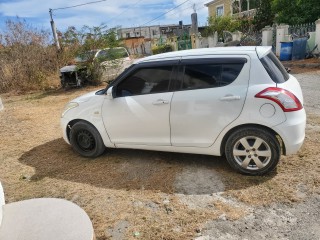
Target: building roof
209,3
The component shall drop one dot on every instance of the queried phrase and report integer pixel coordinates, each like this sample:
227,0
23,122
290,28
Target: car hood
85,97
70,68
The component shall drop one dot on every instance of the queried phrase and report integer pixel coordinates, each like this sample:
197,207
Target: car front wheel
252,151
86,140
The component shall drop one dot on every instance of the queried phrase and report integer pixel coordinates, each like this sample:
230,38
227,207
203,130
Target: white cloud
108,12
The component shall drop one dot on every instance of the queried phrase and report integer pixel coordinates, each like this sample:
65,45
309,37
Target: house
151,32
141,40
219,8
145,31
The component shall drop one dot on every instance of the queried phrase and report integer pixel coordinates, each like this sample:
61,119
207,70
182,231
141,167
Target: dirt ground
133,194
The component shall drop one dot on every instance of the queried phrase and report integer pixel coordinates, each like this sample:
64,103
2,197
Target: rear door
210,94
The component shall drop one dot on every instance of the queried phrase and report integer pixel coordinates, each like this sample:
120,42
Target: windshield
274,68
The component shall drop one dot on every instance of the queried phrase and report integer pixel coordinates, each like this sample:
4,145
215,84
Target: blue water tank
299,48
286,51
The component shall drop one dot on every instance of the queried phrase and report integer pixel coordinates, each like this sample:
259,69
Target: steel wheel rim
86,140
252,153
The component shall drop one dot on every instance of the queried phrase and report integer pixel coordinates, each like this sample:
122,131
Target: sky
113,13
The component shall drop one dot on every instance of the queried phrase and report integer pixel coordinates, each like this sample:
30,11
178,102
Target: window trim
218,6
219,60
222,61
137,67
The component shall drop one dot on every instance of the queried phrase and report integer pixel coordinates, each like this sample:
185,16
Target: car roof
261,51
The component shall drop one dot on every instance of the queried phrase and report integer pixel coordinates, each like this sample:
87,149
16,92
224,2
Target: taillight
285,99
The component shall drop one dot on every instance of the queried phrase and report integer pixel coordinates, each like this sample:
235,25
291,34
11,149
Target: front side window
274,68
199,76
145,81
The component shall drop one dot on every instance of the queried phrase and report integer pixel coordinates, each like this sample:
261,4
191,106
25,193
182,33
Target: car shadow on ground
137,169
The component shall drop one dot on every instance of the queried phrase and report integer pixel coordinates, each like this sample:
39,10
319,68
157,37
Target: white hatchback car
237,101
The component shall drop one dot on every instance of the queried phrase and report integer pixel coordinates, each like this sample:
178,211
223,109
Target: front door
139,112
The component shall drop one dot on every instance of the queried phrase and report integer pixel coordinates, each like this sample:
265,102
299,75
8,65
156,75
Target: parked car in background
112,62
237,101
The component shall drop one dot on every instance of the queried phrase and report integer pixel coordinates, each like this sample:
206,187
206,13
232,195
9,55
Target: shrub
26,58
162,49
220,24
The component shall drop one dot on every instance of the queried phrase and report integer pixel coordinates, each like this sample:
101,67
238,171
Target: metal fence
301,30
252,38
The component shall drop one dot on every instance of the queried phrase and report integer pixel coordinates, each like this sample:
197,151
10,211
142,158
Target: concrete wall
267,35
136,46
317,40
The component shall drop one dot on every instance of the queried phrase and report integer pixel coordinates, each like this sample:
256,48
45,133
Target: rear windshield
274,68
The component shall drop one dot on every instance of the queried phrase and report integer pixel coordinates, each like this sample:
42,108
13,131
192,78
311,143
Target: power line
190,7
164,13
126,9
79,5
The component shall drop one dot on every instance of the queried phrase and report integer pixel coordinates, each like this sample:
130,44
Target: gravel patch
310,84
198,180
279,221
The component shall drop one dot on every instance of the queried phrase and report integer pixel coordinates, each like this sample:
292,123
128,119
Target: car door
139,111
210,94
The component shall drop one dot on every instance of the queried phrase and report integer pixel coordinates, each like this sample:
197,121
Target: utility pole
54,30
194,20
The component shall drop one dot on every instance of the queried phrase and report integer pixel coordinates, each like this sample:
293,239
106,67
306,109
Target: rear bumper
292,131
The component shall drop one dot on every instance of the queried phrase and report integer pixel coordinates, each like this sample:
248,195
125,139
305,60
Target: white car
237,101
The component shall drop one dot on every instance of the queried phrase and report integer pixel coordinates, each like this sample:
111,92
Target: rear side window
210,75
274,68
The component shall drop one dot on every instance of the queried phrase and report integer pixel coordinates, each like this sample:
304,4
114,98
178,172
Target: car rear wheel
86,140
252,151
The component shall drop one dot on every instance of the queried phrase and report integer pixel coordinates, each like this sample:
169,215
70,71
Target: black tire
86,140
252,151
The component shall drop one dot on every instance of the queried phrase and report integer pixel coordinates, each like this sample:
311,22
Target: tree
296,11
264,15
220,24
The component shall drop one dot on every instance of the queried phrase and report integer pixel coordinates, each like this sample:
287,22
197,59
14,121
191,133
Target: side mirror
110,93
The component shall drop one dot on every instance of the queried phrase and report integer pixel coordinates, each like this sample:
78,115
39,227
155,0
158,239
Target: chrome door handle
160,102
230,98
